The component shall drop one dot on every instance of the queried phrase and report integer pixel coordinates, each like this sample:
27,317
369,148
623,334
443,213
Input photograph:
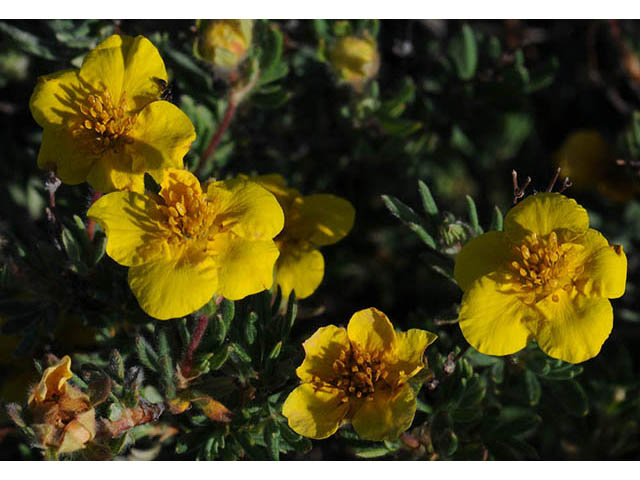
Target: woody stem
226,121
196,337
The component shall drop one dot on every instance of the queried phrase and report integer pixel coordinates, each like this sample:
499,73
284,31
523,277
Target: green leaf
27,42
165,358
473,215
217,361
374,451
428,203
71,246
116,365
461,142
147,356
571,396
463,50
275,352
496,220
514,421
534,390
497,372
241,353
272,439
409,218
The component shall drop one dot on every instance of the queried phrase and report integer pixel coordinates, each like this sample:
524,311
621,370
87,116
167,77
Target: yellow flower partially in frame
586,158
547,277
310,222
355,59
185,244
105,124
63,417
224,43
358,375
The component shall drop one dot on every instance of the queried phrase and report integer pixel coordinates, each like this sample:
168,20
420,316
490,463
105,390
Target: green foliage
456,106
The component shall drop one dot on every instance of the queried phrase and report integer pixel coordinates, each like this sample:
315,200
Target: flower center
543,266
104,125
358,374
188,213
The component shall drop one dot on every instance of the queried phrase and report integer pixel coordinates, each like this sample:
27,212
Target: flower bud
63,417
223,43
355,59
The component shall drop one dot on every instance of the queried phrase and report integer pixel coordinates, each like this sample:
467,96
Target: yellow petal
605,266
409,353
480,256
53,382
177,176
174,288
545,212
371,331
248,209
299,270
78,432
574,328
493,320
314,414
60,153
276,184
144,71
386,415
583,157
321,350
104,67
54,100
324,219
126,65
113,172
245,267
162,136
130,221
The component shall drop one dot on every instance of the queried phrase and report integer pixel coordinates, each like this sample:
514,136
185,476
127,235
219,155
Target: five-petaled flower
310,222
184,245
547,277
358,374
105,124
63,417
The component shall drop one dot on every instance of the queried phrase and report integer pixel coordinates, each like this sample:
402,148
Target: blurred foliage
455,105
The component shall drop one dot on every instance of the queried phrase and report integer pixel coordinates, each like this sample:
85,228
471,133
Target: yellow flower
63,416
358,375
310,222
184,245
224,43
104,123
585,157
547,277
355,59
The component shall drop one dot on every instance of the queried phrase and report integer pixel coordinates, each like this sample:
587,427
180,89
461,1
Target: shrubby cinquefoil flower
547,277
310,222
105,124
223,43
586,158
355,59
358,374
185,244
63,417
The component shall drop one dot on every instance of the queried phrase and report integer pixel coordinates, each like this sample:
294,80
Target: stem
226,121
196,338
91,224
